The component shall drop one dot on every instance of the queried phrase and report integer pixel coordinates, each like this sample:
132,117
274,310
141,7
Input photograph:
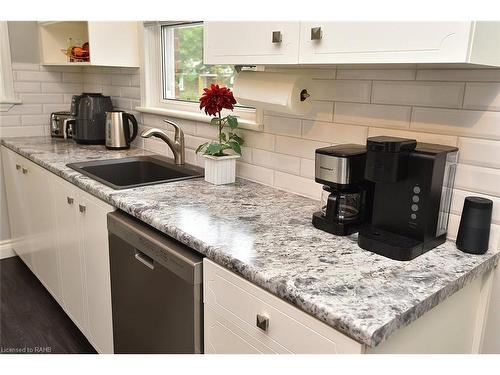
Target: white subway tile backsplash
480,152
307,168
276,161
345,109
263,141
482,95
386,116
10,121
121,80
255,173
419,136
27,87
333,133
33,76
72,77
296,184
31,120
283,125
484,75
481,124
298,147
348,90
42,98
63,88
376,74
479,179
431,94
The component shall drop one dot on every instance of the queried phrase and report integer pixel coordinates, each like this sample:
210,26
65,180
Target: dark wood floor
31,321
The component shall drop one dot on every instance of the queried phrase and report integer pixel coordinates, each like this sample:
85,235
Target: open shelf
54,38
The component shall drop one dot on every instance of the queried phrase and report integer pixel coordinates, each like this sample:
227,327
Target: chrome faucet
177,145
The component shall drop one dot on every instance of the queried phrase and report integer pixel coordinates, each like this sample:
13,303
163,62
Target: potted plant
220,167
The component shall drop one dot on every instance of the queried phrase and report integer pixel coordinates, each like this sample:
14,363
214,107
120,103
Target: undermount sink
136,171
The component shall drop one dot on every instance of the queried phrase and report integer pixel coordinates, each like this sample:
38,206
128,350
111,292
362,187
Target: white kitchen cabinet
38,199
84,253
94,241
251,42
60,232
70,252
15,187
232,305
110,43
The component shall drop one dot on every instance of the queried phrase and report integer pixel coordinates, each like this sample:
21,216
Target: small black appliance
89,113
474,230
346,197
412,196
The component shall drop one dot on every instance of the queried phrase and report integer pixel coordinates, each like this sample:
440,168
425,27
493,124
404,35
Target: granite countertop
266,236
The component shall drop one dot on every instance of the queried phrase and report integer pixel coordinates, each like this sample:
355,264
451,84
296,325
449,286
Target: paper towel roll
280,92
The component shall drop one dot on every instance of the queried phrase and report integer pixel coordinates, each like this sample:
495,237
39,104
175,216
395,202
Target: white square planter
220,170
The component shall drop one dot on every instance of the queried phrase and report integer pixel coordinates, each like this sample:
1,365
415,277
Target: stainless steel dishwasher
156,290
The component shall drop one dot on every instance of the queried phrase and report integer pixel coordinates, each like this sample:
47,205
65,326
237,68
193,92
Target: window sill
243,124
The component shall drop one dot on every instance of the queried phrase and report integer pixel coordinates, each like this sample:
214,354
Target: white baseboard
6,250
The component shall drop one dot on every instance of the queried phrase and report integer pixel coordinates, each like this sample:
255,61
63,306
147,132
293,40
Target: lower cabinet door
70,253
17,206
94,234
222,337
39,197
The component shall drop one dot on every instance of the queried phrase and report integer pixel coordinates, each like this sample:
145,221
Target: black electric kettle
118,135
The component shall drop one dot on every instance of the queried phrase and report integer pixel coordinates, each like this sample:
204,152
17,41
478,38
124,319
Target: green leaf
232,122
200,147
223,137
236,147
214,149
235,137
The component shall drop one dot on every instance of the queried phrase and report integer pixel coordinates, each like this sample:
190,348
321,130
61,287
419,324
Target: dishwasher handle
144,259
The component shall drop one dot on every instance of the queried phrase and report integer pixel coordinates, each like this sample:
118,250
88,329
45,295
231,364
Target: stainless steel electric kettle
118,130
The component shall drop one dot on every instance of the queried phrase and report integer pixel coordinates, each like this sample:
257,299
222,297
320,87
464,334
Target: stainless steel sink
136,171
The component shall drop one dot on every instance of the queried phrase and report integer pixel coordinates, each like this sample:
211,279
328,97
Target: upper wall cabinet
353,43
251,43
110,43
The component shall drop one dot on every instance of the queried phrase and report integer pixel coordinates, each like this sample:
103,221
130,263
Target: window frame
152,100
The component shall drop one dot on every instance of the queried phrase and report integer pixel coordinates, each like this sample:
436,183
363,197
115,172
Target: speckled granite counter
266,236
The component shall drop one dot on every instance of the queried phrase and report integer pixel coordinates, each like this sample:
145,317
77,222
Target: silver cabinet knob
18,167
25,170
82,208
316,33
277,37
70,200
262,322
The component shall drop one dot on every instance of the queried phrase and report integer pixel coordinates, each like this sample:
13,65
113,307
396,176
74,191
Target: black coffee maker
412,196
346,197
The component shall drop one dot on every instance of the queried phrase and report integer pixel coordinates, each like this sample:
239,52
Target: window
174,74
183,73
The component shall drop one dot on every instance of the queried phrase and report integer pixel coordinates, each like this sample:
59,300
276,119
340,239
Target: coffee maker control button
413,216
416,189
414,207
415,198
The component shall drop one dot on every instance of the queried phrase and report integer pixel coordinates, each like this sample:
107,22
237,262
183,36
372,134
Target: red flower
215,98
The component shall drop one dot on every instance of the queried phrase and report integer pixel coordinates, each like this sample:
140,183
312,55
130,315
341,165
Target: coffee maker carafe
346,196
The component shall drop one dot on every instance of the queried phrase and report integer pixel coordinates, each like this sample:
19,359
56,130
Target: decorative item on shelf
77,53
220,168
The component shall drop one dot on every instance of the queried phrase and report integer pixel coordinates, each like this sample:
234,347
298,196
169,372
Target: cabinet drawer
290,329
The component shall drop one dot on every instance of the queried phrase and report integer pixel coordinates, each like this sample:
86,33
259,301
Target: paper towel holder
304,95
